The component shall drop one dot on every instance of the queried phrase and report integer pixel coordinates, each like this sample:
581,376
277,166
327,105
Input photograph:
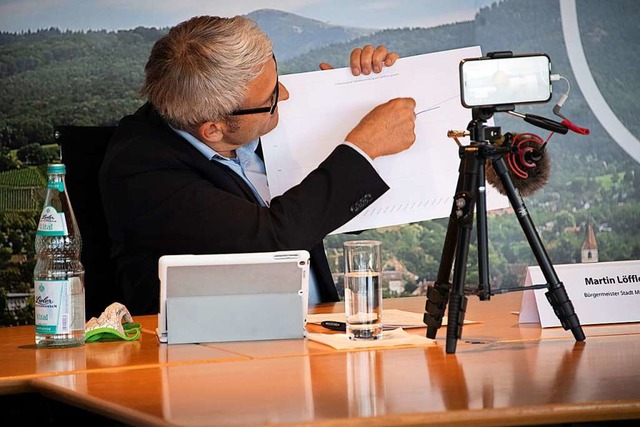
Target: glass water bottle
58,275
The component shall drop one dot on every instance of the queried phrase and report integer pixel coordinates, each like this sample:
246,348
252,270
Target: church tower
589,246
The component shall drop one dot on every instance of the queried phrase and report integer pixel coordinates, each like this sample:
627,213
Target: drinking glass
362,289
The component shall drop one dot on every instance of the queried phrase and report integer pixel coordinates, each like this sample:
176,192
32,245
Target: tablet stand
470,194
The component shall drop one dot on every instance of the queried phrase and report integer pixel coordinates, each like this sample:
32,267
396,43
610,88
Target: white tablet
233,297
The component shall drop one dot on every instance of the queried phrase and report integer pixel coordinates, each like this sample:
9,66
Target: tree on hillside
33,154
6,161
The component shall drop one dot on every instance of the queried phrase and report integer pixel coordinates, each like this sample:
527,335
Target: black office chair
82,150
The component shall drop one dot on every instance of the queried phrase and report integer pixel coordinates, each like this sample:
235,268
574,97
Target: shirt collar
241,152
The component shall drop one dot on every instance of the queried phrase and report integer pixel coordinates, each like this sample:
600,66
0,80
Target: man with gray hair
184,174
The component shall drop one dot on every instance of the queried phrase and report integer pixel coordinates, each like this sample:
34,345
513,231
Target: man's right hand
387,129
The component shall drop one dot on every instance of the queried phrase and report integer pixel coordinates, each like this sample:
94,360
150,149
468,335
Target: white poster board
324,106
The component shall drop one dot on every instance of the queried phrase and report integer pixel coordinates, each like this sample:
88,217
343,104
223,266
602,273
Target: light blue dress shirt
250,167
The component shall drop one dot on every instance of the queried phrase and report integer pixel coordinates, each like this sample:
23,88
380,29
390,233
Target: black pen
333,325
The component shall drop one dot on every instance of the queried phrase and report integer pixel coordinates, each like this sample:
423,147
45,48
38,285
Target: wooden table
503,373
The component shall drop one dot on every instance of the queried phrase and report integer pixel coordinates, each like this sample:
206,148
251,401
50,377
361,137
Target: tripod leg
438,294
484,287
464,203
557,294
457,299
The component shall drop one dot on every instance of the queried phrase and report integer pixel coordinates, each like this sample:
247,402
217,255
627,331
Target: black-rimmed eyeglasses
274,100
271,109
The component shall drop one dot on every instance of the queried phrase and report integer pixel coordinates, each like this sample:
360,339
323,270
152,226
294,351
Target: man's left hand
367,59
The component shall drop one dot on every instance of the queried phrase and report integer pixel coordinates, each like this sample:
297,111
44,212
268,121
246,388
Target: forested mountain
294,35
50,77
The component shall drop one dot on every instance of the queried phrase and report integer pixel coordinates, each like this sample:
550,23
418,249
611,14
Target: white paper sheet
324,106
393,338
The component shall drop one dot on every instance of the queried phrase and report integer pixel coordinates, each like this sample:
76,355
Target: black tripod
470,194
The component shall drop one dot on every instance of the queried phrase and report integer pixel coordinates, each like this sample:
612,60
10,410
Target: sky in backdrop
22,15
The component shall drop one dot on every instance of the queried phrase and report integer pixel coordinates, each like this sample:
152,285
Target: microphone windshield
528,165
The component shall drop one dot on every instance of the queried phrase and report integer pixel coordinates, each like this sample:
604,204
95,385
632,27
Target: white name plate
603,292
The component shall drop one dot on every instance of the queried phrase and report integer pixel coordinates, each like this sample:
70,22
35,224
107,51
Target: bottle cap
56,168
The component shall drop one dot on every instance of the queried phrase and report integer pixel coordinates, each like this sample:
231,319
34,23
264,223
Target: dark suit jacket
162,196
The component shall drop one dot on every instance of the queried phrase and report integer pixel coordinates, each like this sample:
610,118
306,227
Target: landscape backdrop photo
81,63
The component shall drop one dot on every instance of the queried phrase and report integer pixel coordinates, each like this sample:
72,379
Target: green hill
21,190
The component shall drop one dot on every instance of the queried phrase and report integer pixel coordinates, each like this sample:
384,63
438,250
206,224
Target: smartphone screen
520,79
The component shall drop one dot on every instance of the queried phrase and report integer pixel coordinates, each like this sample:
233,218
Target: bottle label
52,223
52,299
56,185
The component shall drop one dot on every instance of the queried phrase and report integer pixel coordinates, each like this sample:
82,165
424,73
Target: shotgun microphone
529,166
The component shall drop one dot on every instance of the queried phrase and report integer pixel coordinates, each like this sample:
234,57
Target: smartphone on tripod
498,80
